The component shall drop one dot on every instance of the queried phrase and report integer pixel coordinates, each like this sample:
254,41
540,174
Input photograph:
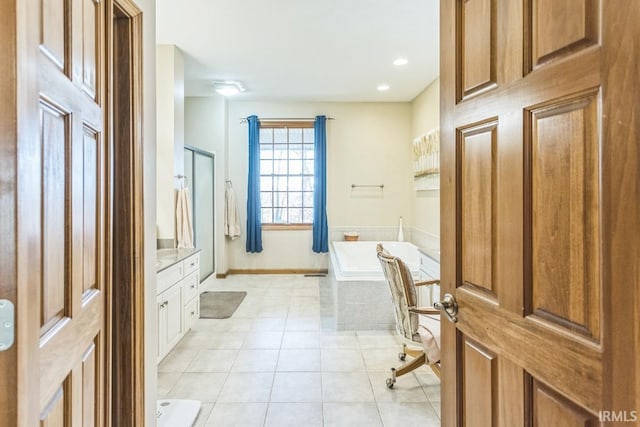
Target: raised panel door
69,166
539,165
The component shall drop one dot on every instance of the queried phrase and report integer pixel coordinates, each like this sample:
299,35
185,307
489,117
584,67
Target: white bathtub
356,289
359,261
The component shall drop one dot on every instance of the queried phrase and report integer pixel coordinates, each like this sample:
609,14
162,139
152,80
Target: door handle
449,307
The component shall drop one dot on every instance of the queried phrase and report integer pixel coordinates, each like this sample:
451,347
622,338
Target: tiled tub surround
428,242
273,363
357,287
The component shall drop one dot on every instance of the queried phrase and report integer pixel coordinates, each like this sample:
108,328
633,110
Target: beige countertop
168,257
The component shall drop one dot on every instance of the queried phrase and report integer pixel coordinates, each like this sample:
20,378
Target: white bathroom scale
177,412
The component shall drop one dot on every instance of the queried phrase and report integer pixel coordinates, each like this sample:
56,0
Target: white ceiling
330,50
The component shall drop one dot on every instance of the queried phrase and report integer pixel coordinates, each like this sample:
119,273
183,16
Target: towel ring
184,180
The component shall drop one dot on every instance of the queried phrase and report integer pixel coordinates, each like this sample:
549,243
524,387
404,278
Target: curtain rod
290,119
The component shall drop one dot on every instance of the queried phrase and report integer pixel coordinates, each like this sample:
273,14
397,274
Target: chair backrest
403,292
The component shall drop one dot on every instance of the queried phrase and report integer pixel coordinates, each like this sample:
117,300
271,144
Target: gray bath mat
220,305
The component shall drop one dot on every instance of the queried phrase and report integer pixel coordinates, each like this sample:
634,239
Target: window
286,173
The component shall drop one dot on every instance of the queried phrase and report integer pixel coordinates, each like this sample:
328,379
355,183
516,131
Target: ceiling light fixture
383,87
228,87
400,62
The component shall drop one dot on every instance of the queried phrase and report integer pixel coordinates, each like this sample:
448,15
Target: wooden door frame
124,125
448,388
621,194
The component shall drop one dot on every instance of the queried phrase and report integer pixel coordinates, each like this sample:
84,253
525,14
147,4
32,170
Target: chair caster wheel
390,382
402,356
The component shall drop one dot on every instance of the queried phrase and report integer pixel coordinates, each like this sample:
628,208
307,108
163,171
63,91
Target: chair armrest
427,283
424,310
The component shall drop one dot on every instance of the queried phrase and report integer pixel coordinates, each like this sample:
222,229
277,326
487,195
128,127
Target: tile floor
275,362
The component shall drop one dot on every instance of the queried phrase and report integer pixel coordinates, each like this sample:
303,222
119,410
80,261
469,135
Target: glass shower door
201,182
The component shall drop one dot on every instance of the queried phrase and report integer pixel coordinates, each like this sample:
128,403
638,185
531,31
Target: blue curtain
254,224
320,228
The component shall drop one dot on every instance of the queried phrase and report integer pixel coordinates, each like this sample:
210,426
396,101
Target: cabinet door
161,327
173,308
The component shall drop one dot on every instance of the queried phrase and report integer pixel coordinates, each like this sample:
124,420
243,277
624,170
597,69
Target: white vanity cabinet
178,301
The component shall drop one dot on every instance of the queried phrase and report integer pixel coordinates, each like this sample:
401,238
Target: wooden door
62,206
71,213
539,212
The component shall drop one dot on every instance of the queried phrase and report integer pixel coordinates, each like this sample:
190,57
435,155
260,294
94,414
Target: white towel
231,215
184,225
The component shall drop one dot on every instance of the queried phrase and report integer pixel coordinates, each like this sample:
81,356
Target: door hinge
7,324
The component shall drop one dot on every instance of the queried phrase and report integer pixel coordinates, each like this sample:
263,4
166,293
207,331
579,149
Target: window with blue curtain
320,227
287,163
254,225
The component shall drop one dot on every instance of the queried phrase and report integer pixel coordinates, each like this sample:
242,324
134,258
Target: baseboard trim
278,271
222,275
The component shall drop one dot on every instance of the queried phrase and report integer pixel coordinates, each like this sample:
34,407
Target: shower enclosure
199,167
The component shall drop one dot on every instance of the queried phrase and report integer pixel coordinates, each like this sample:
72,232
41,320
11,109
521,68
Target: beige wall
206,128
149,176
170,134
425,115
367,143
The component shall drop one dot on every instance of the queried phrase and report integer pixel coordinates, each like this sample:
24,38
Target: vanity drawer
191,264
190,286
170,276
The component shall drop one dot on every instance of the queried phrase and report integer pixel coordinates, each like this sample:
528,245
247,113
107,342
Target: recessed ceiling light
400,61
228,87
383,87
